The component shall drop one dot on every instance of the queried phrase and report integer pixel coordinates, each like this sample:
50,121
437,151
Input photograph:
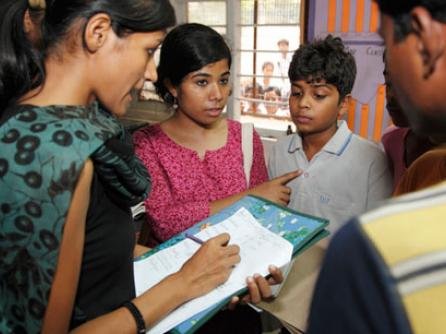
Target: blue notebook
300,229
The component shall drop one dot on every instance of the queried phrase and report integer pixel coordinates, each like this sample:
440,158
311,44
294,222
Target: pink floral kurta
183,185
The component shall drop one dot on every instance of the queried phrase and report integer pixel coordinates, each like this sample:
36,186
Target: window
270,32
210,13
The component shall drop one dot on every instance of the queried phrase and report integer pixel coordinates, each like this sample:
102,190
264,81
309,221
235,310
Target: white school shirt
348,177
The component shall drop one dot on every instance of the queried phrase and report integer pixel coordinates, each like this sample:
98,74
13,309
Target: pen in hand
194,238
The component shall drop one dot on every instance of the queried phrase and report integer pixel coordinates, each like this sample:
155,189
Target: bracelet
140,324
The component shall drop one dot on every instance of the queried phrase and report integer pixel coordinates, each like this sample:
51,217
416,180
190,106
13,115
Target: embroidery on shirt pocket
324,199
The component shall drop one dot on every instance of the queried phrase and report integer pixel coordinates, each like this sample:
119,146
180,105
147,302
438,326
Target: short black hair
250,88
186,49
273,89
325,59
400,12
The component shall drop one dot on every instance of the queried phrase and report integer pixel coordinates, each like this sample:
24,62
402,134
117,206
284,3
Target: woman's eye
201,82
320,96
296,94
224,81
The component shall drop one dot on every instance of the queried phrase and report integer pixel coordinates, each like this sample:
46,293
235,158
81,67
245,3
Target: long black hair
21,67
19,61
186,49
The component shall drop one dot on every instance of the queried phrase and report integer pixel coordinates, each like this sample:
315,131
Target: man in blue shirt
385,272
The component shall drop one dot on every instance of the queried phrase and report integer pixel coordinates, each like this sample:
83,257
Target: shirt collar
336,145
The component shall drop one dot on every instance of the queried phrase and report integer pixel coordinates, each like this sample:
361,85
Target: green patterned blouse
42,152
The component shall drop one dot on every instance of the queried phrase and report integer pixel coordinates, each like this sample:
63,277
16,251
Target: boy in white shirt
343,175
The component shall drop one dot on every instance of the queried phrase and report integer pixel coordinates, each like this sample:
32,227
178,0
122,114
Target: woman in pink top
195,158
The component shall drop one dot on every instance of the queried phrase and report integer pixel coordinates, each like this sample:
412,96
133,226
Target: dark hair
400,12
186,49
273,89
326,59
21,69
250,88
19,61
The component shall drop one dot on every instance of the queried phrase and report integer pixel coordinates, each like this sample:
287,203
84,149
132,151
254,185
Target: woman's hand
258,288
210,266
276,190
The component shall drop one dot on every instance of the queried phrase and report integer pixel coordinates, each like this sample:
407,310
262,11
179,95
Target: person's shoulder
283,143
342,241
402,213
151,132
430,160
435,155
234,125
394,133
64,127
366,148
282,150
400,208
233,122
408,227
347,249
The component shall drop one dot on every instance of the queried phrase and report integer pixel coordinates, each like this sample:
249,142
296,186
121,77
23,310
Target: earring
175,103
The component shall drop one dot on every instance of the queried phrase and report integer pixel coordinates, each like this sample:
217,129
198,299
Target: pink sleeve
166,216
259,172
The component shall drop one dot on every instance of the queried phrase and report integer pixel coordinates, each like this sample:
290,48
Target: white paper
275,289
259,248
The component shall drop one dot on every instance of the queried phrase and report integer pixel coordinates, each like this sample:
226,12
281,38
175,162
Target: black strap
140,324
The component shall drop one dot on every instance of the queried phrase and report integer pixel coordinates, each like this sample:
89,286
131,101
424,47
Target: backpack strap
247,149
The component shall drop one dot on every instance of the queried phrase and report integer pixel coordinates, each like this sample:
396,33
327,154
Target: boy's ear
430,38
343,105
97,31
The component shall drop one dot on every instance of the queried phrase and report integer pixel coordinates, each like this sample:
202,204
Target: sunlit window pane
211,13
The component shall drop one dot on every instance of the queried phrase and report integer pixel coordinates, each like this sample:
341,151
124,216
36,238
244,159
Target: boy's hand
276,190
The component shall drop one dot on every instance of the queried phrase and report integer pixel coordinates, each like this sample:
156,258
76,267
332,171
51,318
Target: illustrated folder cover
301,230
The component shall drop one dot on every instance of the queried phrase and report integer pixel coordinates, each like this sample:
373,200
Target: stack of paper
258,248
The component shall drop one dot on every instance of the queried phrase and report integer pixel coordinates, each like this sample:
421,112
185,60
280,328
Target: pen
194,238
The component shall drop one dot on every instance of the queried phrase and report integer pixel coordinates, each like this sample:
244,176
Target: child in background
401,144
273,95
268,72
250,106
343,174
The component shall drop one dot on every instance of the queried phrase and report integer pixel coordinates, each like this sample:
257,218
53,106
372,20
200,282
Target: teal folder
300,229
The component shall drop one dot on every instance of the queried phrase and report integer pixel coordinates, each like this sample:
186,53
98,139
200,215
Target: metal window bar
250,99
260,51
269,24
241,75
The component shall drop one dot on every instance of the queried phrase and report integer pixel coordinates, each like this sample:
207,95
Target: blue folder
300,229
